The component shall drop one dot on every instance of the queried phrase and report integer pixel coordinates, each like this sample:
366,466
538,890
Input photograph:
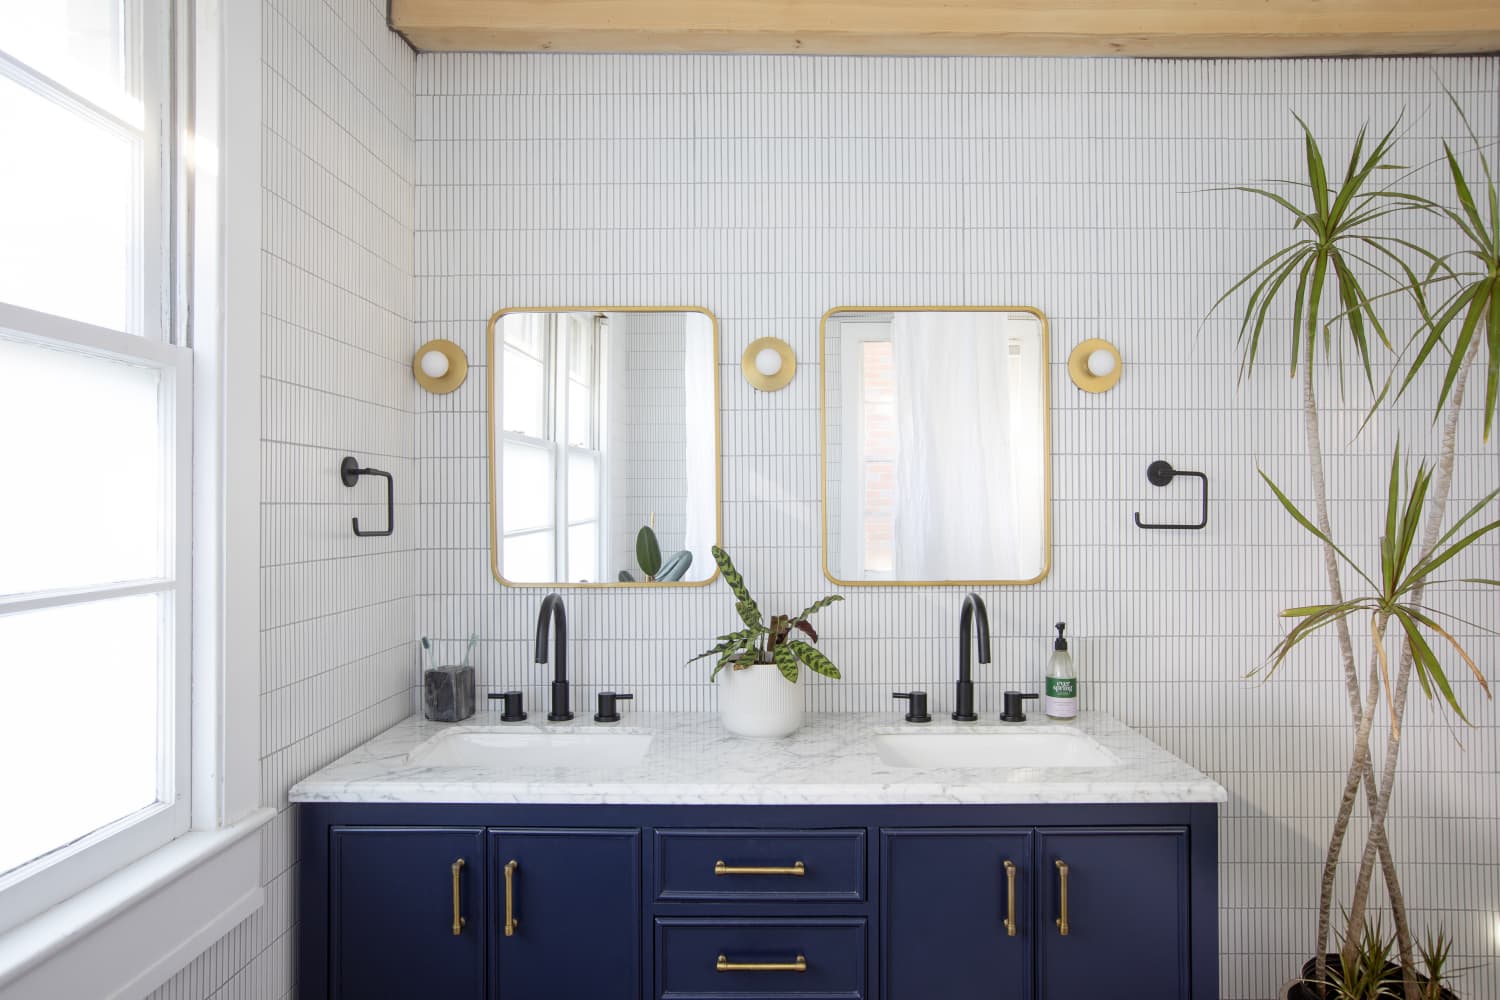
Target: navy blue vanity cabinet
565,913
1124,892
957,914
406,911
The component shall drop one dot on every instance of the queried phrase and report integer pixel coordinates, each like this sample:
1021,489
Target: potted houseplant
760,693
1341,237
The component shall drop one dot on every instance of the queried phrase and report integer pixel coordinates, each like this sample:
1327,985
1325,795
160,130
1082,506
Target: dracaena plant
761,641
1345,262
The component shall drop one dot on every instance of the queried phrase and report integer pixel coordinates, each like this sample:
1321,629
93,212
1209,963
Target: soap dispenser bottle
1061,703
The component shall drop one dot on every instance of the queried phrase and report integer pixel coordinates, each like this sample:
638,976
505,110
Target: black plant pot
1303,989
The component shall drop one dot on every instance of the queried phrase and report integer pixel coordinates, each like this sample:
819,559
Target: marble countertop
691,760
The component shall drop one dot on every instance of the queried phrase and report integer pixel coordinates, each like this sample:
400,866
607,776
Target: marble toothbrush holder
448,693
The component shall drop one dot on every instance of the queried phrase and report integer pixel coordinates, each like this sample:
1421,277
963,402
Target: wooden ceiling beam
1246,28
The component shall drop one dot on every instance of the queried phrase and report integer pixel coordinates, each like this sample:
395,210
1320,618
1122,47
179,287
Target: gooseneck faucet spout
973,607
555,619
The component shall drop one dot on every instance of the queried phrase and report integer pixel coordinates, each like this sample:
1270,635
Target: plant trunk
1346,644
1441,487
1361,771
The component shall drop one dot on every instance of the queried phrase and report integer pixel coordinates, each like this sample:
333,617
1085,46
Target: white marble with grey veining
691,760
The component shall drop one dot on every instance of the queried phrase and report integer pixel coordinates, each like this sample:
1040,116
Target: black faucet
552,611
963,711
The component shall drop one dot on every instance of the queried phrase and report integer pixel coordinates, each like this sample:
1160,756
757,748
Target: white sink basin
1022,748
530,748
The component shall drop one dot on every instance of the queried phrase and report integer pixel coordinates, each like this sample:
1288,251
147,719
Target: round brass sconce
1095,365
440,366
769,364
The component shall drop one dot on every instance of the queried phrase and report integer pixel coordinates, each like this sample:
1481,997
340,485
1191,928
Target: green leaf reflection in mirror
936,446
601,420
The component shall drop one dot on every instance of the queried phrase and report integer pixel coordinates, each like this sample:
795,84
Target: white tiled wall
438,189
338,612
771,189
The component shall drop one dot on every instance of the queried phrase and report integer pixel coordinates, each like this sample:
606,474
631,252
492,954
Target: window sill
131,932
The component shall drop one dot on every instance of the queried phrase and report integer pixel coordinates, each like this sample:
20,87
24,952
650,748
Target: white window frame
151,340
133,929
854,333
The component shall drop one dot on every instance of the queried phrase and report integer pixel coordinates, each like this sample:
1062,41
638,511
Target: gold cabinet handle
796,868
725,965
1062,891
458,920
1010,898
510,898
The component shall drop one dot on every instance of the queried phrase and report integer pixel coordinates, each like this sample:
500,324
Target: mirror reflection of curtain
700,377
956,506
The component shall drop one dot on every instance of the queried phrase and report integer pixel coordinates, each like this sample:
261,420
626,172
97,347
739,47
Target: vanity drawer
707,957
725,865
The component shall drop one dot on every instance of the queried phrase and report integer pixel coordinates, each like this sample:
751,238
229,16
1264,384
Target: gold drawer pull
1010,897
725,965
458,920
1062,891
797,868
510,899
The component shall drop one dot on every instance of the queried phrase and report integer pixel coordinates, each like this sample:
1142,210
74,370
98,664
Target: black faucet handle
917,705
1014,703
609,711
511,710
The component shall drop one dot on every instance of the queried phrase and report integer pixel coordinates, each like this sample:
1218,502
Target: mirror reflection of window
603,421
553,444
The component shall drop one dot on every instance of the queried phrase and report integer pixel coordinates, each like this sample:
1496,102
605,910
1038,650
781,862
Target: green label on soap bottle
1062,687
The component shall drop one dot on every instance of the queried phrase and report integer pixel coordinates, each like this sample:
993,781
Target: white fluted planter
758,701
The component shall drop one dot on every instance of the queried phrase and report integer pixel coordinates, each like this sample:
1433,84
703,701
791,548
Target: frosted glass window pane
526,331
525,389
527,488
64,780
581,350
583,553
85,470
529,557
580,415
78,43
583,486
70,205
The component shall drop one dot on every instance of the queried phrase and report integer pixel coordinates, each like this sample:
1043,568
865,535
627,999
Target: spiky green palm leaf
1474,305
1399,575
1331,249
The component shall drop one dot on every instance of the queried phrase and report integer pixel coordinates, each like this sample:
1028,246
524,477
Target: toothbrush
473,638
426,653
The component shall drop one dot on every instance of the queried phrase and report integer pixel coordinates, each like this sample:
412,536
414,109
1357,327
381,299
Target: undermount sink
1048,748
531,748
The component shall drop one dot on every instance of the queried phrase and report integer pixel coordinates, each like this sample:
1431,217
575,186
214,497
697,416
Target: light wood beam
956,27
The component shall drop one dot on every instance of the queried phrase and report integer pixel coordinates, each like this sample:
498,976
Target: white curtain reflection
957,505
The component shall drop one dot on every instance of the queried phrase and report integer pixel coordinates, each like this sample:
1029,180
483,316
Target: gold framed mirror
603,421
936,445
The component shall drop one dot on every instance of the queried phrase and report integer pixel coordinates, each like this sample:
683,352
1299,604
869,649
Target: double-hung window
553,449
95,449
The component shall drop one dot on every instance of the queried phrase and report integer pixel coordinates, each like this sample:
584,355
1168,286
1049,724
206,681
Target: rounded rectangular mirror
936,464
603,421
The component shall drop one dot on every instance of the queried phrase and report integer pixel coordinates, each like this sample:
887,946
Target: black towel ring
349,472
1160,473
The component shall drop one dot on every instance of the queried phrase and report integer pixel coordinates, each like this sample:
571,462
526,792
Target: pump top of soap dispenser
1060,643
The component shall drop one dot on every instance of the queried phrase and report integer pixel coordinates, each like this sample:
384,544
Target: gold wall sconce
440,366
769,364
1095,365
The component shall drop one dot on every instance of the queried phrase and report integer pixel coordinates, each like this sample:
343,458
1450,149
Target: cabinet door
392,905
946,914
1127,913
571,900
